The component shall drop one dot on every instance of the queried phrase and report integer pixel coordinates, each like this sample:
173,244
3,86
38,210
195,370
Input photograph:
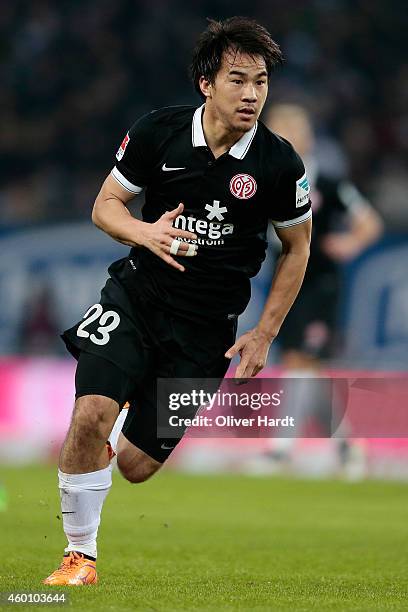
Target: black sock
80,553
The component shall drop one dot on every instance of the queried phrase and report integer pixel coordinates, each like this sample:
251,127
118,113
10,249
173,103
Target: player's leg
84,471
134,464
84,448
111,349
139,451
188,351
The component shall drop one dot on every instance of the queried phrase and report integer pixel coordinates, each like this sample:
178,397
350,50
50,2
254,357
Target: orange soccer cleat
75,569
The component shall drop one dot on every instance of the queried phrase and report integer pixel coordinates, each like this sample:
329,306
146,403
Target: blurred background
75,76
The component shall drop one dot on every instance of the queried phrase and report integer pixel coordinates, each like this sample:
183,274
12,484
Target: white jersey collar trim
238,150
198,138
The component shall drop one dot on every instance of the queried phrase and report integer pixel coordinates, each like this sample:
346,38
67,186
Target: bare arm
112,216
253,346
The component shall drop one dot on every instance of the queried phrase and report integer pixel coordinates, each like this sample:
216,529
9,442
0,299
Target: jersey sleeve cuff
122,180
307,215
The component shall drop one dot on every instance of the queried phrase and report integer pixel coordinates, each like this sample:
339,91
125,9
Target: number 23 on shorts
108,320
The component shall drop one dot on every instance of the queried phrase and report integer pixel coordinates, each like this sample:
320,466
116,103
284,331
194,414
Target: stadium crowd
75,75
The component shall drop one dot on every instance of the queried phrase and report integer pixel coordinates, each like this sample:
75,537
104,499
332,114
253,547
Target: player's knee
139,472
92,416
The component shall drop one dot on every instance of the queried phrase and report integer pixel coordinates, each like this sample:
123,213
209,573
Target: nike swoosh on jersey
165,447
166,169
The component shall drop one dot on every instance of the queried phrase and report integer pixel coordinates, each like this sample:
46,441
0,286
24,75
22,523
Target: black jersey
227,204
333,201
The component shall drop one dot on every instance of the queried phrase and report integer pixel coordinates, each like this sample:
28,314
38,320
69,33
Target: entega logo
209,233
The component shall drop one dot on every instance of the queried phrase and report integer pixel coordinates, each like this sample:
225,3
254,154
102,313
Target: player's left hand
253,347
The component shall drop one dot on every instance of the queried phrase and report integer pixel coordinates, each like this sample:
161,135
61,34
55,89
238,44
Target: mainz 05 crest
243,186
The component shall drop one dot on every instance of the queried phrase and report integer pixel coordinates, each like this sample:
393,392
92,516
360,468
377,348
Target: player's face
239,91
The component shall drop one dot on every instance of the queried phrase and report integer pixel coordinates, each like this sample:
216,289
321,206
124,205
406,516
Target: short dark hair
236,34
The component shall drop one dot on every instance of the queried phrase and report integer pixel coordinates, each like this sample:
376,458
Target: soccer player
214,176
344,224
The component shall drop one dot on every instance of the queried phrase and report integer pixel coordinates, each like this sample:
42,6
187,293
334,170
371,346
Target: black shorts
310,325
124,345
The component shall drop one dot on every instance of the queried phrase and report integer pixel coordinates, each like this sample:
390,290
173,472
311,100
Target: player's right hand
162,239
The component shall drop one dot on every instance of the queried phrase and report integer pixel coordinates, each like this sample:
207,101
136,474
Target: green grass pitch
181,542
